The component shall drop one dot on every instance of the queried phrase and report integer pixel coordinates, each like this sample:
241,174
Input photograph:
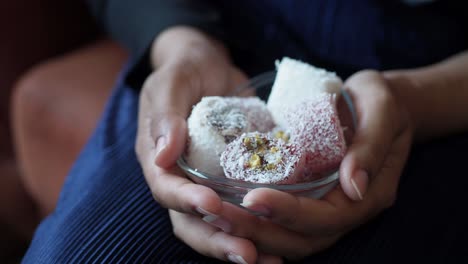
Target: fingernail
204,211
234,258
160,145
257,209
214,220
359,182
218,222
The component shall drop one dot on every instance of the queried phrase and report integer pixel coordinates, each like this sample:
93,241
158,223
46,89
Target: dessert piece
296,81
314,124
261,158
238,135
216,121
281,134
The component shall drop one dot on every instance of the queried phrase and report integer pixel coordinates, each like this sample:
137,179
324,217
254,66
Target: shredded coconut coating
216,121
315,125
261,158
296,81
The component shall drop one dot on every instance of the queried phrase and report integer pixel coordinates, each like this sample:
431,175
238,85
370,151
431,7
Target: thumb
170,133
165,102
374,134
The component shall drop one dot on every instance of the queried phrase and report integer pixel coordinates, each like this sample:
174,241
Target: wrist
405,90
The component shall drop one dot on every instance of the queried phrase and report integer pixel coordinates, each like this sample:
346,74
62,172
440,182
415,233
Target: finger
335,213
168,186
172,190
301,214
170,132
166,99
383,188
170,135
212,242
161,140
376,128
173,88
269,237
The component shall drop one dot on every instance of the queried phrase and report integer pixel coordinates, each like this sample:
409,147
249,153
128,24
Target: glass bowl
233,191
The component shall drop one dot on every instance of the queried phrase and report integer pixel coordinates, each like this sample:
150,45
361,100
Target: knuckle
161,197
170,81
361,77
150,81
369,73
180,75
157,199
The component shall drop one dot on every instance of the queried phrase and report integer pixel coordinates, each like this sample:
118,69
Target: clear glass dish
233,191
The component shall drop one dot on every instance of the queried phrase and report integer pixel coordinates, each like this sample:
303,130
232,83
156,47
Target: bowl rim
258,80
221,180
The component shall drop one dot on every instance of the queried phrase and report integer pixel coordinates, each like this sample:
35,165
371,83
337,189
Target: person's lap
106,212
68,93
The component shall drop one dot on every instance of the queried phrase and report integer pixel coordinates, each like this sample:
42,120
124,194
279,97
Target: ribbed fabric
106,213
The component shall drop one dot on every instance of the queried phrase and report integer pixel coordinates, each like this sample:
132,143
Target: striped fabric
106,213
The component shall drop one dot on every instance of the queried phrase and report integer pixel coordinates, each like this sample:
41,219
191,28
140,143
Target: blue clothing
106,213
345,36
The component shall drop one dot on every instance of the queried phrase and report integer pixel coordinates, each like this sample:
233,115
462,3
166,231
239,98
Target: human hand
189,65
295,227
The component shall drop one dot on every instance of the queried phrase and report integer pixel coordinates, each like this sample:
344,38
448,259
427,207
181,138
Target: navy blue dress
106,214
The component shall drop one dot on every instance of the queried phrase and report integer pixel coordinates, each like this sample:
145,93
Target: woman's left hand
295,227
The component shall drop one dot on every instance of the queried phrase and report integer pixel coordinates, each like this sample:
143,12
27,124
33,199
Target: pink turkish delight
261,158
315,125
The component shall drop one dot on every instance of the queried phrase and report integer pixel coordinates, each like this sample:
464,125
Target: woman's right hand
188,65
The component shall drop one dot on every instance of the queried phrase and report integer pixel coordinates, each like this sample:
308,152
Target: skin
391,113
69,102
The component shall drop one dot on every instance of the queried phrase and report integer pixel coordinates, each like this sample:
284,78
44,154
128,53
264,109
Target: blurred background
31,31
